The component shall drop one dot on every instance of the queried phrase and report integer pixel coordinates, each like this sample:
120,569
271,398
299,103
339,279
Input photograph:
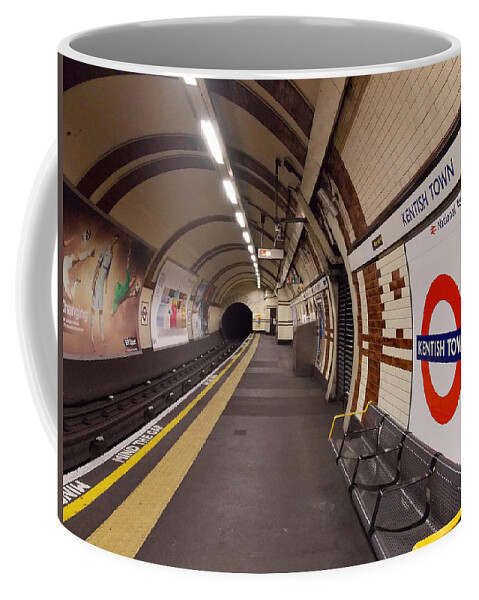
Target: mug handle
36,329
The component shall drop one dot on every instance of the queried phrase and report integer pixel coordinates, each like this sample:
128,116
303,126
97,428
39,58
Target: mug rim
65,48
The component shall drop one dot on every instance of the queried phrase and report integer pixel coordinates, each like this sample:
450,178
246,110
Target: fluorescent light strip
230,191
240,218
246,237
213,142
251,249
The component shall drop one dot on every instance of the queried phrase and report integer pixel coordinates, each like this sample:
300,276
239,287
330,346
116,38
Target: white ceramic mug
364,119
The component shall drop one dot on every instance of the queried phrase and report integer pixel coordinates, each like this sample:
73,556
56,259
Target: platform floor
245,483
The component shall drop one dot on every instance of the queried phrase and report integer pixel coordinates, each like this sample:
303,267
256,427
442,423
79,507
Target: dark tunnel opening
237,321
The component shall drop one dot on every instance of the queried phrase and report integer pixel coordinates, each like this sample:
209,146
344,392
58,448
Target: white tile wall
400,121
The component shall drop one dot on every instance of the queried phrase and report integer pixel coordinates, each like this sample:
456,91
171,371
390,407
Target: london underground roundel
442,347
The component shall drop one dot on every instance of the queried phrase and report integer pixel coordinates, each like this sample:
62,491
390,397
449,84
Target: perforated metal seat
361,440
378,465
402,503
443,501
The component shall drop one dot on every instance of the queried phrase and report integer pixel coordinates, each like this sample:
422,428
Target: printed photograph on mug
261,308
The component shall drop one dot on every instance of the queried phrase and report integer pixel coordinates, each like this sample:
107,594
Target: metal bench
359,440
378,468
369,454
442,496
401,503
406,494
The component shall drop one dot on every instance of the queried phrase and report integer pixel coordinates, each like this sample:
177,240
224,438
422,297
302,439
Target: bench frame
393,486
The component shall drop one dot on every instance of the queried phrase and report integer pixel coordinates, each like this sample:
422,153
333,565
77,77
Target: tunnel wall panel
384,341
85,381
214,318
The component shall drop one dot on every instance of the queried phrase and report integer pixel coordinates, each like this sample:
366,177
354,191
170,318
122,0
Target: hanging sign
271,253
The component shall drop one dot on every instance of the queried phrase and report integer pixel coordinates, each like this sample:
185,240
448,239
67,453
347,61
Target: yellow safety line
350,414
439,534
72,509
126,529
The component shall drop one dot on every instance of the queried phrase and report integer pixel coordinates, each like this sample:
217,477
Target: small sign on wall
144,313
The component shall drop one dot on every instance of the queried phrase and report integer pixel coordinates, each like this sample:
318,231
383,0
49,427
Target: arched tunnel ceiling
133,146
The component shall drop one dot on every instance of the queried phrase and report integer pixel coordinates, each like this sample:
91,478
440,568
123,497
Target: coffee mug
260,361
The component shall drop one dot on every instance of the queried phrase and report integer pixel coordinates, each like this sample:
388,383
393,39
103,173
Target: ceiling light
246,237
251,249
240,218
230,191
190,80
213,142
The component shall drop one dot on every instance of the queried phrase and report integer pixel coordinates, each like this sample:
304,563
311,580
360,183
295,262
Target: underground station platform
242,482
261,314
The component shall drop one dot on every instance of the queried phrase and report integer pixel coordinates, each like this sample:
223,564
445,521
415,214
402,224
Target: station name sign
271,253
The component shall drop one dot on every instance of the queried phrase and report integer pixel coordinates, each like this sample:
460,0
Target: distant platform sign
271,253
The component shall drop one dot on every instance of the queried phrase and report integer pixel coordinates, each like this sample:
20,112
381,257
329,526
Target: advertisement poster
169,306
103,272
200,308
295,315
321,331
434,267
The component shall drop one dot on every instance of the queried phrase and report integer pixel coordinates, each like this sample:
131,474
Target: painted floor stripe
87,468
127,528
72,509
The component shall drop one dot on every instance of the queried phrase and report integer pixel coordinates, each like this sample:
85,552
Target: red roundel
442,408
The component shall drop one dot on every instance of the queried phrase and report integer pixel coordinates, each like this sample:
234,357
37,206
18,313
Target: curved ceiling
133,146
